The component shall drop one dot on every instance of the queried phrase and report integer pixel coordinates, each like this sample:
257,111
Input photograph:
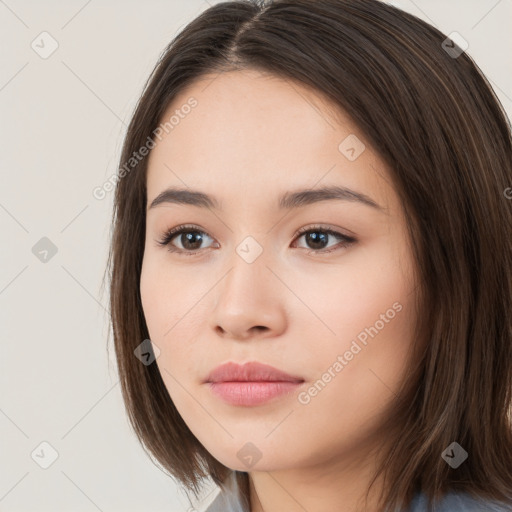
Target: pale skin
250,139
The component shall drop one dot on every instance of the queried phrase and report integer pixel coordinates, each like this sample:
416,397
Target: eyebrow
289,200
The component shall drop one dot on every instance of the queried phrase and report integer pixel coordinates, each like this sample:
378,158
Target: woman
312,228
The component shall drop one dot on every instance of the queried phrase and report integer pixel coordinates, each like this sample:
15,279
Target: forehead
250,132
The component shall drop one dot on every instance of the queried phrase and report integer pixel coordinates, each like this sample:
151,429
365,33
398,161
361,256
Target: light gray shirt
229,501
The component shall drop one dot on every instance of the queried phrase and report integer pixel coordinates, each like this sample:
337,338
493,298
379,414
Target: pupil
313,237
190,238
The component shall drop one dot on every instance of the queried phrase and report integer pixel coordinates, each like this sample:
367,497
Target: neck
339,485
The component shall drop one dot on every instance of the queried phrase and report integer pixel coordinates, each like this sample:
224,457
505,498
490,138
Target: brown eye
189,237
317,239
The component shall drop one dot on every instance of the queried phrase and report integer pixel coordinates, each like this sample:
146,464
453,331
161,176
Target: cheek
168,296
350,296
361,370
369,309
171,302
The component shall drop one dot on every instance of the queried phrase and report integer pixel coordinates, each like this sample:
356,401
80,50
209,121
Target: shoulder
457,502
228,500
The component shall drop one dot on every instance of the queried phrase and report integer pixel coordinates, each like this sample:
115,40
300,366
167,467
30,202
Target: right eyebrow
184,196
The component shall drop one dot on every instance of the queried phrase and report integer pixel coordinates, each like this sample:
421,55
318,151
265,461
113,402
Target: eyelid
327,229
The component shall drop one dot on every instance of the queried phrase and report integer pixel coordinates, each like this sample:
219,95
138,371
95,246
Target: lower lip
251,393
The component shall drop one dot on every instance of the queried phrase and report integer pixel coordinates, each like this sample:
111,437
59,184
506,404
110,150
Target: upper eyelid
300,231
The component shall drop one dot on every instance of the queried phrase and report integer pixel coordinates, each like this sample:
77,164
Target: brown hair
434,119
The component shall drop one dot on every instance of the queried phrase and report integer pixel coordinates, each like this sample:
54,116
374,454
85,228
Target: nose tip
247,304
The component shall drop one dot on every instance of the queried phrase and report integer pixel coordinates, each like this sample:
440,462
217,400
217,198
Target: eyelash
346,241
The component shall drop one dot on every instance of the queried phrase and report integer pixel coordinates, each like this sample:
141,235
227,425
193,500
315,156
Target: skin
251,138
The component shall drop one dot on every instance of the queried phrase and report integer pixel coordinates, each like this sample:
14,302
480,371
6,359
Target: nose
250,301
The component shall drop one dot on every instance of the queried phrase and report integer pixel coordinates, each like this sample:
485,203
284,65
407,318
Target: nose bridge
249,275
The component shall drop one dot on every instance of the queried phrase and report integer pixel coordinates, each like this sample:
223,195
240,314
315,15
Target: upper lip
249,372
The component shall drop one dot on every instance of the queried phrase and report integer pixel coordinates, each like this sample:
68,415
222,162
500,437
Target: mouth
250,384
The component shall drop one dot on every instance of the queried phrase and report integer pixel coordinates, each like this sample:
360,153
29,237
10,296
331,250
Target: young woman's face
242,285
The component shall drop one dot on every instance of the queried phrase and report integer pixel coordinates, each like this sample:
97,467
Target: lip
250,372
250,384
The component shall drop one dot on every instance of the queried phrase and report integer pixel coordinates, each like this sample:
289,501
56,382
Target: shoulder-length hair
433,118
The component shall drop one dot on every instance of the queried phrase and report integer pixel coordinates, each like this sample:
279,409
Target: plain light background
63,119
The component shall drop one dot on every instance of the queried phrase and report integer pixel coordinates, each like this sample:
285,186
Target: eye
190,238
318,237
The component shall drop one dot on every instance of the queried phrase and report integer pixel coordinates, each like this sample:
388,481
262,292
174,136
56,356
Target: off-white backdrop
70,75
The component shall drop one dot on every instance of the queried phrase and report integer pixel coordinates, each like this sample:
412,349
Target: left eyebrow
289,200
305,197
